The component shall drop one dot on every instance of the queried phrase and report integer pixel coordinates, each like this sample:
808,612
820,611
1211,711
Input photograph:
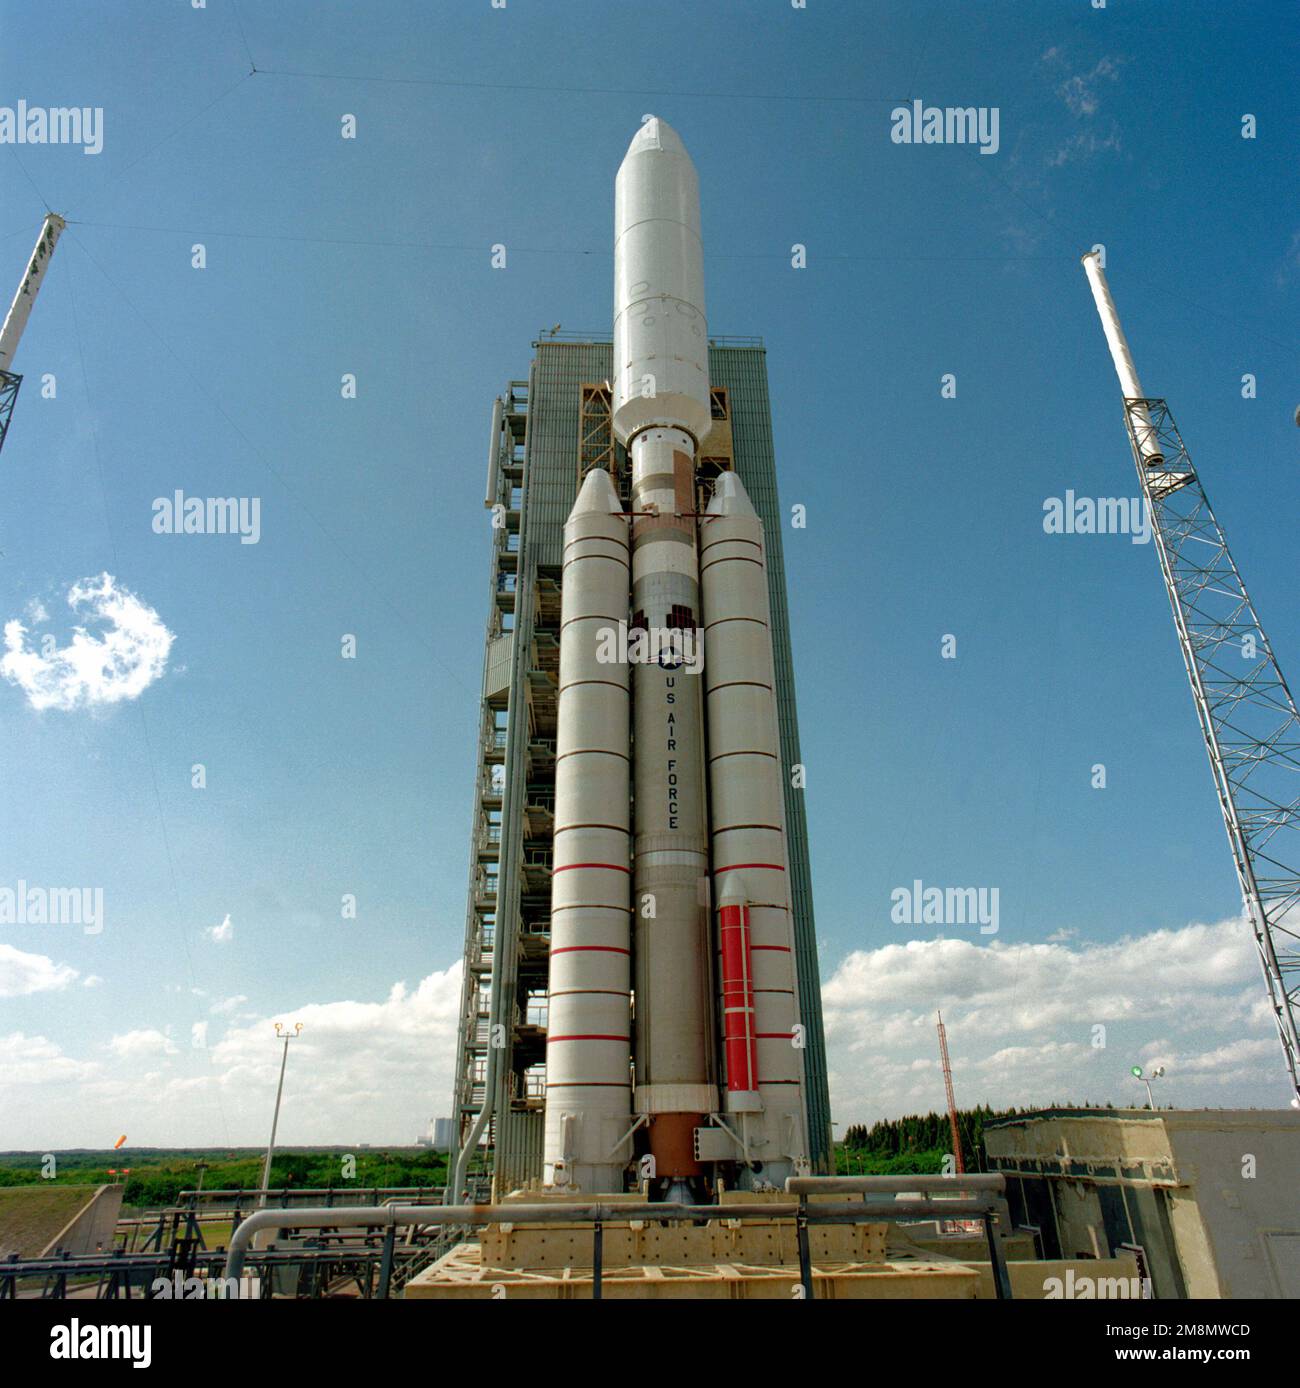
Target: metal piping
884,1185
600,1212
491,495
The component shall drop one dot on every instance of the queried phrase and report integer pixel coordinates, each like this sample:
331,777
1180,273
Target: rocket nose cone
597,494
655,136
730,498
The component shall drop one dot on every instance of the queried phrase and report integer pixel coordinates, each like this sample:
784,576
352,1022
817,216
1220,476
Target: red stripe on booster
595,1036
603,949
738,1000
613,867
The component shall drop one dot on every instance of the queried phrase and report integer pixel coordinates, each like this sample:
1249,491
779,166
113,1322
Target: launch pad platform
463,1275
722,1258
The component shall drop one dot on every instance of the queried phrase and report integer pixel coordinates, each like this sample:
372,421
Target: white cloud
199,1035
1022,1019
1085,145
360,1072
120,662
91,981
1290,263
221,934
351,1060
147,1041
36,1060
1020,1022
1080,91
22,973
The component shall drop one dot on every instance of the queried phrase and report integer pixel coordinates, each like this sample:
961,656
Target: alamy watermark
24,905
180,1288
179,514
675,648
922,905
1088,1288
919,124
53,125
1098,515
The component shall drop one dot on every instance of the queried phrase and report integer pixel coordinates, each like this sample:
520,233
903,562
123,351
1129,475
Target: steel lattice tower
1247,714
9,384
952,1100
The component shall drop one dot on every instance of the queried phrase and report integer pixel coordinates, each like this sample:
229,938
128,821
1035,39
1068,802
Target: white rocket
669,782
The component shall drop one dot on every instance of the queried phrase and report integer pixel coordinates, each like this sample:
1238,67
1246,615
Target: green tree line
918,1142
157,1178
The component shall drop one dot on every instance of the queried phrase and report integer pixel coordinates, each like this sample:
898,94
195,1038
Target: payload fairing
673,1031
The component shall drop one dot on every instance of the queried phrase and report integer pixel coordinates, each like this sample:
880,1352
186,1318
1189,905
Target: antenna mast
952,1102
20,311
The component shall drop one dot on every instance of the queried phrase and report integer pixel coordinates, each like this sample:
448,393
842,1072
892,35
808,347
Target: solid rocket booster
661,413
588,1047
759,999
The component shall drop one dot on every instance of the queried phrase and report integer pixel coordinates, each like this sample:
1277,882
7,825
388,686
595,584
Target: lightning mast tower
20,311
1247,715
952,1101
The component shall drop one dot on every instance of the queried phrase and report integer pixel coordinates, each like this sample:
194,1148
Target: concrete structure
465,1275
744,1254
43,1220
438,1136
1208,1198
93,1228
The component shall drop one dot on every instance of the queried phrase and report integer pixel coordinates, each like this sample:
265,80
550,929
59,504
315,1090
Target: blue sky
371,256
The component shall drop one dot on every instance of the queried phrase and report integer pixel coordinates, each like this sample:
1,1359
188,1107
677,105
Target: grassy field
30,1216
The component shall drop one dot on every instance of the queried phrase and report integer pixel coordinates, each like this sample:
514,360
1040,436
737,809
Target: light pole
286,1036
1156,1074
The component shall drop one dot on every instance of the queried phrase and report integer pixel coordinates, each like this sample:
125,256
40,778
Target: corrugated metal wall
519,1151
558,370
498,665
